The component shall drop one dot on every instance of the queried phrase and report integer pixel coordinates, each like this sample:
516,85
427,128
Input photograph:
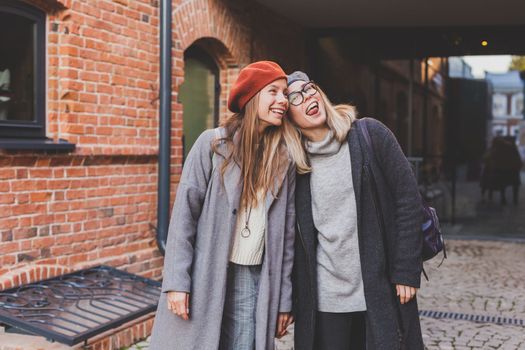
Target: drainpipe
163,198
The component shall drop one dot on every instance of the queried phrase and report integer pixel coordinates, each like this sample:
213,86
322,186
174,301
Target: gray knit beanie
296,76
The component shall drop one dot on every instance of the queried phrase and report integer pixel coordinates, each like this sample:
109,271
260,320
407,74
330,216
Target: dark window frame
36,128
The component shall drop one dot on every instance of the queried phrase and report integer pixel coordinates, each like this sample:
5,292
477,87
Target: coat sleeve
406,259
285,304
185,215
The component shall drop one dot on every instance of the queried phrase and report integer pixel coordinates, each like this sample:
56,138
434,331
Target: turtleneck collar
328,146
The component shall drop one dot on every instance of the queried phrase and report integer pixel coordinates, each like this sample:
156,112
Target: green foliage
518,63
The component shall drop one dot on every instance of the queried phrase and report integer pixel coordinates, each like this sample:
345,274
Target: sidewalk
483,278
480,278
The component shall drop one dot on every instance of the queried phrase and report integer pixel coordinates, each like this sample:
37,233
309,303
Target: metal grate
473,318
77,306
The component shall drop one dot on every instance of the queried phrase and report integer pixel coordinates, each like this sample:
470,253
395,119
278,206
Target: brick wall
96,205
61,212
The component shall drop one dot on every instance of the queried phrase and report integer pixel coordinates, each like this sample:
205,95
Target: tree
518,63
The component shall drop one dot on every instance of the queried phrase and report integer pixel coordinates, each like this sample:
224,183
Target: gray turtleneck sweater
340,283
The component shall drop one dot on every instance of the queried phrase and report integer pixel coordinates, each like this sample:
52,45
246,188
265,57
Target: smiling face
310,115
273,103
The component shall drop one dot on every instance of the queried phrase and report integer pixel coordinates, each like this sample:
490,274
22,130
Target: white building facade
507,103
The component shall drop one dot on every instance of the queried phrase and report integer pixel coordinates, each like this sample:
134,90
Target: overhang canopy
383,29
399,13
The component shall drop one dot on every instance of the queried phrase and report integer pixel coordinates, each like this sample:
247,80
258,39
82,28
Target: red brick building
97,73
79,120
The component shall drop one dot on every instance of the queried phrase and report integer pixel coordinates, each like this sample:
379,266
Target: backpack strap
368,141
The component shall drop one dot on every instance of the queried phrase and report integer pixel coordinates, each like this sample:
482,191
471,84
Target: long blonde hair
262,157
339,119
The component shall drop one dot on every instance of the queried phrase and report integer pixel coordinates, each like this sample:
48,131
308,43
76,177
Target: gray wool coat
384,262
198,248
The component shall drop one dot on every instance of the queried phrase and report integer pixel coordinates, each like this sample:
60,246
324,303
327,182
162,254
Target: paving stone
479,278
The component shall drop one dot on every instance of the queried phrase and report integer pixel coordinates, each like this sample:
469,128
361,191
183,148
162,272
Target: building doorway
199,95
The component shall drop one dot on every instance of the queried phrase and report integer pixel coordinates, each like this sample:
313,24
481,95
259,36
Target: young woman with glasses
354,281
227,269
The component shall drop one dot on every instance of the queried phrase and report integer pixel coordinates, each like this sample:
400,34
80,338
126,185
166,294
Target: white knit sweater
249,250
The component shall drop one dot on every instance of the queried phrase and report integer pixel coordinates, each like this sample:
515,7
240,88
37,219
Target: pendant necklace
245,232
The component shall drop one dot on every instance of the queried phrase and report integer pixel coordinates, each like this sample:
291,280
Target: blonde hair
263,158
339,119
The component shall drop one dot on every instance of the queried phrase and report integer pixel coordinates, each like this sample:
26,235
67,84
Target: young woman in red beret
357,256
227,270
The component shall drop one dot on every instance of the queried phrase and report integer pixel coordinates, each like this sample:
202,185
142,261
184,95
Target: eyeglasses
297,97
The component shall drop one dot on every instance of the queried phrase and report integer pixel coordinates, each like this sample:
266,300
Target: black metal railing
77,306
436,174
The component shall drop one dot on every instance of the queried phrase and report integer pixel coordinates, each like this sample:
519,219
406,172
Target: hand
405,293
179,304
283,321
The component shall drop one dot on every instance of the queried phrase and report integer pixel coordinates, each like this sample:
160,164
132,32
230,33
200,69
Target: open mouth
278,111
313,108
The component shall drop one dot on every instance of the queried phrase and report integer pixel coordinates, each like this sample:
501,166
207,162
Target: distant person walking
229,255
502,166
354,280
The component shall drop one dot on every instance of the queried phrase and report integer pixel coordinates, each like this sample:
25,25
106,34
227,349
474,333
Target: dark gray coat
401,204
198,248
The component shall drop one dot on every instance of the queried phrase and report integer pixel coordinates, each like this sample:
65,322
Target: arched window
22,70
199,94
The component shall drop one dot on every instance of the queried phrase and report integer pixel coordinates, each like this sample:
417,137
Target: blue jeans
238,320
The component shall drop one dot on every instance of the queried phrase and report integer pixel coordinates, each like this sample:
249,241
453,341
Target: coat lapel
233,184
303,211
276,189
232,178
357,163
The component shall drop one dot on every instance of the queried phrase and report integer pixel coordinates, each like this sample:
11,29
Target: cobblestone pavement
483,278
479,278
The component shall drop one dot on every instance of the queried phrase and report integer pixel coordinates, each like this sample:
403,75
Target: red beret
251,80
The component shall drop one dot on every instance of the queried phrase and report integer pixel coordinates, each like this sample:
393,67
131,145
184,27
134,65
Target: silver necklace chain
245,232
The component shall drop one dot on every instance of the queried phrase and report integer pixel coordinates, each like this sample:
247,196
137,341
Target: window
499,105
517,105
22,70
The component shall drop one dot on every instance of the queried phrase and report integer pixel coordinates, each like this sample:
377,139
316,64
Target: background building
507,103
459,68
